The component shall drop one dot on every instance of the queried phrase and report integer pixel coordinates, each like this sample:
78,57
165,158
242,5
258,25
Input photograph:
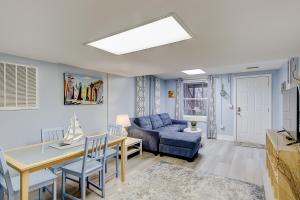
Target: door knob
238,111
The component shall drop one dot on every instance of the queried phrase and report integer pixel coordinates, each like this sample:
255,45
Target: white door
253,108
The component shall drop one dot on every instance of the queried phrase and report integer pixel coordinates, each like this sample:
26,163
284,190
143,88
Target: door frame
235,99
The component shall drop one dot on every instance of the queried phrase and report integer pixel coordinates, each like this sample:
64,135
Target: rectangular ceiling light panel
161,32
194,72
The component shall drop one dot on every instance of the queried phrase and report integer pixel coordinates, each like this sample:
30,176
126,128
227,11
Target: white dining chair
114,130
37,180
52,135
49,135
93,161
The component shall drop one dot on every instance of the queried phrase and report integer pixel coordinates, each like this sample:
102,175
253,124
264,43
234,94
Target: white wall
23,126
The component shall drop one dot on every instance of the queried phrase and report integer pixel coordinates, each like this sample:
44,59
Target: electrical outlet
221,126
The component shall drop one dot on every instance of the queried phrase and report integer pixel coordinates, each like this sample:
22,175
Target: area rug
165,181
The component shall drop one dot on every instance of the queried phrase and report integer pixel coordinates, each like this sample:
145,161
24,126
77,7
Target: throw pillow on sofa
156,121
144,122
166,119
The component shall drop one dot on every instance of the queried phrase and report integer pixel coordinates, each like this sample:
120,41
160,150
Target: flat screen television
291,113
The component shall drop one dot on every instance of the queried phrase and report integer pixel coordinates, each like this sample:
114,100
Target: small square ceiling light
193,72
157,33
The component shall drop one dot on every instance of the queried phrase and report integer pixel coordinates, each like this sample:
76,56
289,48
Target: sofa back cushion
144,122
165,118
156,121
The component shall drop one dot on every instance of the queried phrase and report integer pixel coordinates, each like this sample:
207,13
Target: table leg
24,185
123,160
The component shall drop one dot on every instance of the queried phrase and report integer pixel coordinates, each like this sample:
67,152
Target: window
18,87
195,99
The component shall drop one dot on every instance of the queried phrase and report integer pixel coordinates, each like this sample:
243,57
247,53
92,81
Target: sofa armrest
150,137
140,133
175,121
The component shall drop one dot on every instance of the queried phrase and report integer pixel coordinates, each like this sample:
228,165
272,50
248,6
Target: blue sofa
161,134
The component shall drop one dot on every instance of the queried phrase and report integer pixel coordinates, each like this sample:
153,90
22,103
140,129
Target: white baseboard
225,137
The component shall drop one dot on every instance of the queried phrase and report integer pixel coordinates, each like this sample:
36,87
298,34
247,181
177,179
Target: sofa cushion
180,139
144,122
165,118
173,127
156,121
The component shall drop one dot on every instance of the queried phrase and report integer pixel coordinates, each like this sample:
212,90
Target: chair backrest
95,149
52,134
5,179
115,130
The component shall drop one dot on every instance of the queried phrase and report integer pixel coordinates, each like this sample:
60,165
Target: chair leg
63,186
117,165
117,161
103,183
87,183
83,189
10,195
99,179
1,193
79,184
106,166
39,193
54,190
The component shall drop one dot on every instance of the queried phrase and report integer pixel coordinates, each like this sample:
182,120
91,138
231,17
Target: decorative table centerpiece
193,125
74,133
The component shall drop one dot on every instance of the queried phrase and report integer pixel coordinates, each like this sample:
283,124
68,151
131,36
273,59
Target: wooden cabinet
283,164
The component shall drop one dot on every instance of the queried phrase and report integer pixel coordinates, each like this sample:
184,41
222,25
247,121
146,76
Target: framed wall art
82,90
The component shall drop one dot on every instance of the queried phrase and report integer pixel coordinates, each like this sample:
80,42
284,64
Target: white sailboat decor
74,133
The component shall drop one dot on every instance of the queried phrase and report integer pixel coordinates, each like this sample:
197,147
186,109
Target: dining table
31,158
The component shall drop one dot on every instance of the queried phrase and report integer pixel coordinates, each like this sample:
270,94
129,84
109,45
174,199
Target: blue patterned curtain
211,118
148,95
153,94
178,100
157,96
140,96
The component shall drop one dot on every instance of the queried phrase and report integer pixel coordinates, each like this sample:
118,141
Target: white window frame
37,88
194,117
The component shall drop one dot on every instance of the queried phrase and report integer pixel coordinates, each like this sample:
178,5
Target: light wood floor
216,156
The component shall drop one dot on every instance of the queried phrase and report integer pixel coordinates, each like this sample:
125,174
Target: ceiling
227,35
267,65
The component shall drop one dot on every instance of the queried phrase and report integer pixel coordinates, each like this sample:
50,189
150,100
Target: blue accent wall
23,126
121,97
278,76
282,76
170,102
228,113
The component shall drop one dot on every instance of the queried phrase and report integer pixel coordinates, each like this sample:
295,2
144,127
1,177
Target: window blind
18,87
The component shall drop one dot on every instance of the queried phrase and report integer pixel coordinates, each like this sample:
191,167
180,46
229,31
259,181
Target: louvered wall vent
18,87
